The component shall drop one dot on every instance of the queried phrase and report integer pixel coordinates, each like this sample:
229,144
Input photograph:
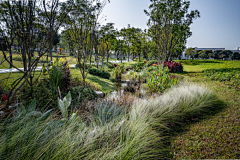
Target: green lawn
17,60
104,85
216,137
200,65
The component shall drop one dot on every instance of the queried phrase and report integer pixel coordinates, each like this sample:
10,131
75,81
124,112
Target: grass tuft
108,132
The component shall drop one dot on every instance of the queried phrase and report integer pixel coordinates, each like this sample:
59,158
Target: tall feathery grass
110,132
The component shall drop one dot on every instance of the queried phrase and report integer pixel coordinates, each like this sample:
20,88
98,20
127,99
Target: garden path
39,68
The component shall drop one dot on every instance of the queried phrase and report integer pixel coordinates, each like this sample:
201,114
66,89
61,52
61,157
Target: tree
189,52
169,23
82,31
195,54
136,42
128,35
107,37
32,28
217,54
203,55
235,55
211,55
225,54
178,50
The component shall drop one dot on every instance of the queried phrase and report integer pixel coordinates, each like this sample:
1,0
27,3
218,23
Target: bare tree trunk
10,53
128,53
96,55
107,55
121,52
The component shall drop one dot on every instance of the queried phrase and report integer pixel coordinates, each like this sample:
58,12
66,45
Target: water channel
128,88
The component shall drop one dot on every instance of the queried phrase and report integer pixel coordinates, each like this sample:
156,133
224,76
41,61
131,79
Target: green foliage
203,55
118,71
171,16
189,51
59,75
86,93
235,55
230,76
149,63
31,113
138,66
44,96
109,64
64,104
112,79
160,81
99,72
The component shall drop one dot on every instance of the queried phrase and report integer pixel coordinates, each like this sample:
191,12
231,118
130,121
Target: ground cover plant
107,132
230,76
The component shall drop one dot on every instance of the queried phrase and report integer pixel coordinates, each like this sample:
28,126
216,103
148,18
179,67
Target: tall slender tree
169,23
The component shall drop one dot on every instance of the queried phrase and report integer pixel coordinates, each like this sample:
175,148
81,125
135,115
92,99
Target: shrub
138,66
99,72
117,73
160,82
44,96
86,93
174,66
59,75
149,63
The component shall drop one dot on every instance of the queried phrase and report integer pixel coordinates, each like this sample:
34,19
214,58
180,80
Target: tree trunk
107,55
121,52
10,53
24,60
179,57
128,53
96,55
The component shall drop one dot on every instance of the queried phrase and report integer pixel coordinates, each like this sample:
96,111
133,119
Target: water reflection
119,92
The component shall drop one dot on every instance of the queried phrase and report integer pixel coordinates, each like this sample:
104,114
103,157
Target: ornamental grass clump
107,131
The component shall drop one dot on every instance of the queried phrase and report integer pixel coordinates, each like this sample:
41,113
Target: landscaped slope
217,137
108,132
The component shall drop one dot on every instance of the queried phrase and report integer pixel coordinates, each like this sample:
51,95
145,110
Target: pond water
139,91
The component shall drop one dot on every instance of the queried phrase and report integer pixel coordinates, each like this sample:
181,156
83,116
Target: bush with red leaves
174,66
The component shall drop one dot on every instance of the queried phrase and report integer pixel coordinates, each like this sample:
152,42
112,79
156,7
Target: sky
218,26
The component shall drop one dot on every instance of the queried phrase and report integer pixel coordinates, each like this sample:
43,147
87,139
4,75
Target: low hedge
99,72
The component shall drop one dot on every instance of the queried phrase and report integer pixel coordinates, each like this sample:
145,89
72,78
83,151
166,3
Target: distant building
237,50
212,49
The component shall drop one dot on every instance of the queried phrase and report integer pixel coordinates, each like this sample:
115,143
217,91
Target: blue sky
219,25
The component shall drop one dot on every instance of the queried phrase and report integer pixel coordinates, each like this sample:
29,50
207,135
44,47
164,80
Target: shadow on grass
186,73
107,87
222,70
179,128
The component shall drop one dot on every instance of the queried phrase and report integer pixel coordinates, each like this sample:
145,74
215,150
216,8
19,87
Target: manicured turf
218,136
